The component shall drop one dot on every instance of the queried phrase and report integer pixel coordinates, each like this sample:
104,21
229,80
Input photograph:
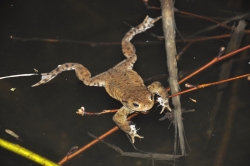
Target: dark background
44,117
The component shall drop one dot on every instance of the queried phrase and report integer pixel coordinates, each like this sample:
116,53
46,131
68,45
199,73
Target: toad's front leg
120,118
157,88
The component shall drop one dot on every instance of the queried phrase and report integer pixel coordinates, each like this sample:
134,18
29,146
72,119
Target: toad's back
122,85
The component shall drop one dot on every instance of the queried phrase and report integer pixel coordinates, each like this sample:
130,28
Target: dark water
44,116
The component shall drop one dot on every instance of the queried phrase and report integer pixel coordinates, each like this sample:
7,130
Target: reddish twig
82,112
209,84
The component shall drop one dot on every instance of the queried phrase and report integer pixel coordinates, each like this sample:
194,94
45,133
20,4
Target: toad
121,82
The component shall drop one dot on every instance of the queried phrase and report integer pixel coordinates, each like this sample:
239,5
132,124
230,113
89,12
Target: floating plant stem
19,75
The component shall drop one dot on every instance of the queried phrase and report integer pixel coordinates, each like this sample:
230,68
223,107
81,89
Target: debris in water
13,89
81,111
189,85
12,134
193,100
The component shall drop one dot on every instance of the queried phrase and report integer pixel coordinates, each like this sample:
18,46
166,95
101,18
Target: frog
121,82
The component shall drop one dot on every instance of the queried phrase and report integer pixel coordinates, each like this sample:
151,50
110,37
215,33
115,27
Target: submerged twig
146,155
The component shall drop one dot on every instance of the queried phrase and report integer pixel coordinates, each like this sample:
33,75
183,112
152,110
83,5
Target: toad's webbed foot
164,103
133,133
46,77
120,118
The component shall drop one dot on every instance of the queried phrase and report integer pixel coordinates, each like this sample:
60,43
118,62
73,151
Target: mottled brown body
121,82
136,92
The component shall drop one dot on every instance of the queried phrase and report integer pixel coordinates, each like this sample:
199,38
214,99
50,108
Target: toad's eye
136,105
151,97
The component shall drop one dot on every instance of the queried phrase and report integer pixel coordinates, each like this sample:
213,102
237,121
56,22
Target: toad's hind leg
128,48
120,118
82,73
